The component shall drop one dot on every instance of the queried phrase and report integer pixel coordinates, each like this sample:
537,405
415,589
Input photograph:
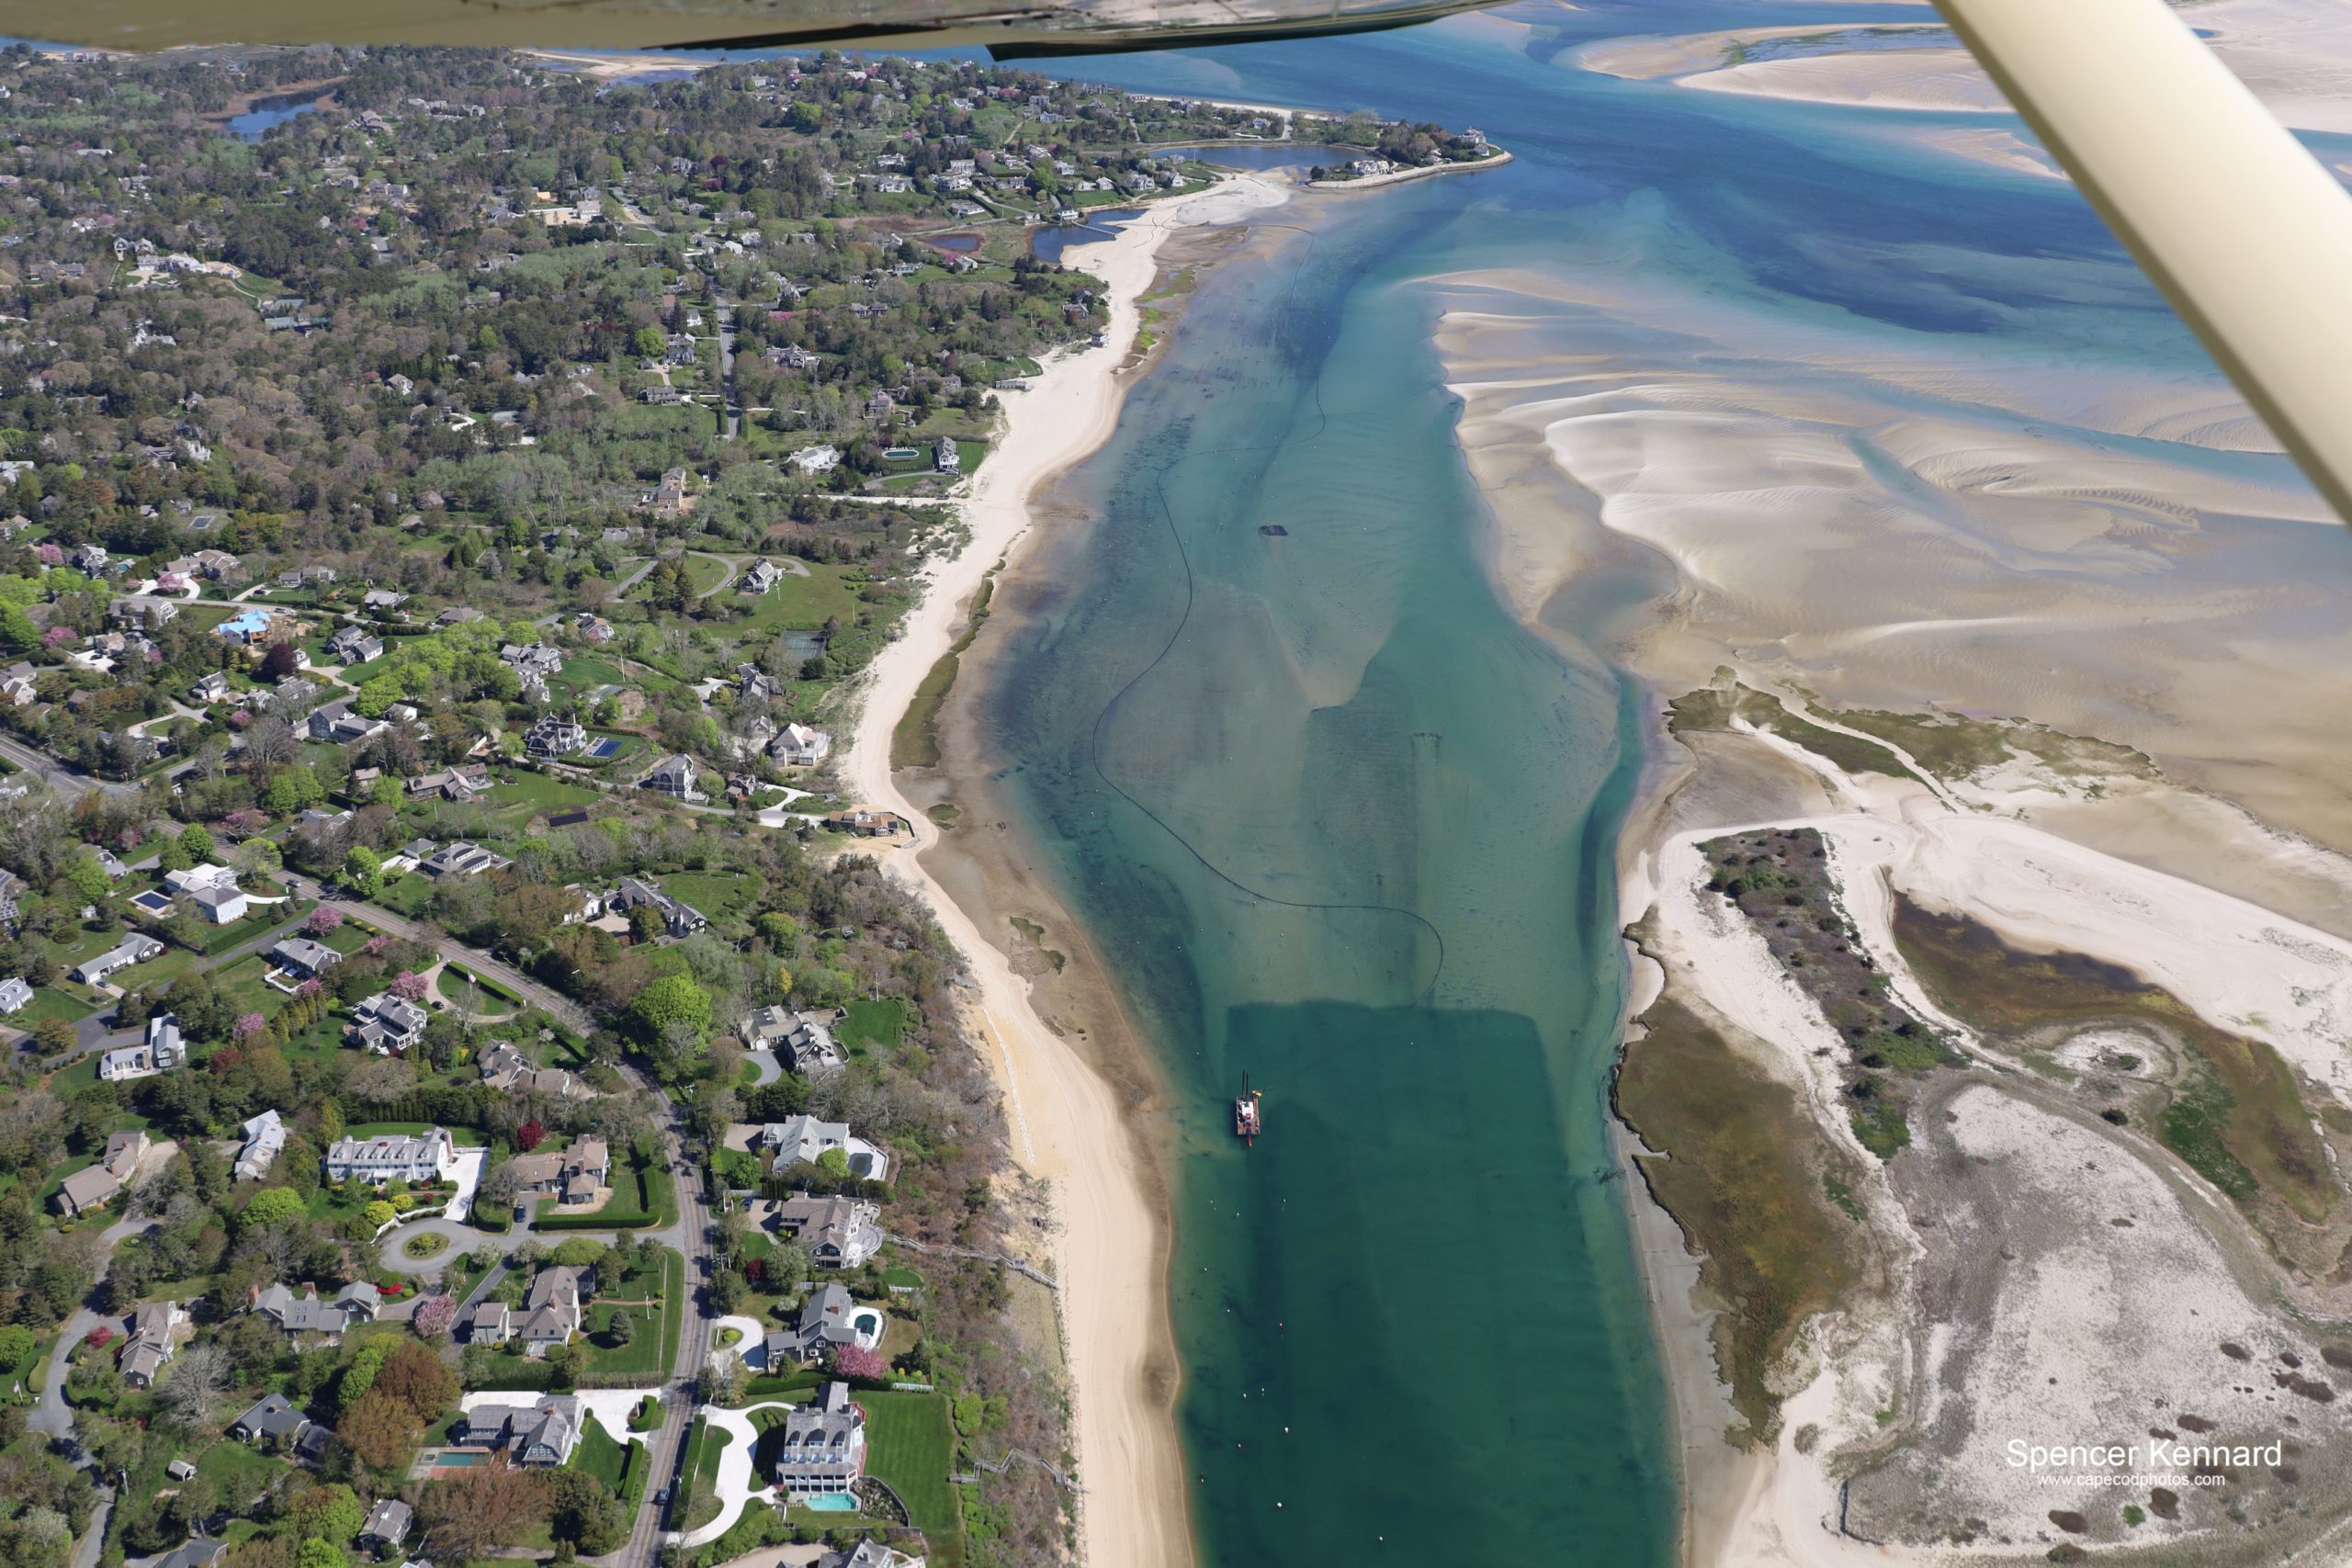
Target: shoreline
1067,1123
1398,176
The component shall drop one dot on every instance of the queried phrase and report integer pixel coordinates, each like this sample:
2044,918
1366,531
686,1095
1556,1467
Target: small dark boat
1248,1118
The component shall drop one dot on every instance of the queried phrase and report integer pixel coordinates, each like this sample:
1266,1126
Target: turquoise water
457,1458
1334,819
829,1503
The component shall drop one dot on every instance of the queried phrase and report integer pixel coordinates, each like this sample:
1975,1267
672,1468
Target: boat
1247,1118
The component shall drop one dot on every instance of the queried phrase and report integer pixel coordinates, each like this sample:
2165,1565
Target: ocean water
1338,821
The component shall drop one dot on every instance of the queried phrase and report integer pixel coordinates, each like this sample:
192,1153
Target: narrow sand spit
1067,1129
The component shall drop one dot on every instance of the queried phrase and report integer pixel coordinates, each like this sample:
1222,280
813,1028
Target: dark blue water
266,112
1050,240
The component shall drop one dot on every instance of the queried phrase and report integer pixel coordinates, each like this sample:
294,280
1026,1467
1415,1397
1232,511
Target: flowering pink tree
243,822
409,986
310,987
857,1361
250,1025
433,1316
58,636
127,838
49,554
322,920
98,1339
374,946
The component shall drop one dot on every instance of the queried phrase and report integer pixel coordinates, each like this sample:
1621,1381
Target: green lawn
654,1351
805,603
605,1457
52,1001
873,1022
529,794
910,1443
409,896
457,985
724,896
244,1473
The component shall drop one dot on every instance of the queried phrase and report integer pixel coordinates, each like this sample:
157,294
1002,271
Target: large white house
161,1052
429,1156
805,1140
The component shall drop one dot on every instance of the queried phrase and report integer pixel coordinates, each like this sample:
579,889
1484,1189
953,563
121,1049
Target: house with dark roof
539,1434
273,1419
384,1023
675,776
359,1302
551,736
840,1233
304,959
823,1326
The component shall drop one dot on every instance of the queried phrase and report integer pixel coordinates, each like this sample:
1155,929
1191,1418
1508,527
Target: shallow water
1336,820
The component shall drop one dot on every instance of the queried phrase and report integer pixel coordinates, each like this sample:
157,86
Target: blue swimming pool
831,1503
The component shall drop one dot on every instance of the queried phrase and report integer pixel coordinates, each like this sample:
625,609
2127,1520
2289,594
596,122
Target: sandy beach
1067,1125
2296,58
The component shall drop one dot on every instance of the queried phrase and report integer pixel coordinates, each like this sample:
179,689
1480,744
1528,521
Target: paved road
52,1414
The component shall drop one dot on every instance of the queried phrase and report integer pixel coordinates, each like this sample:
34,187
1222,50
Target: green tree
330,1512
670,999
195,843
268,1208
364,869
316,1553
292,789
88,877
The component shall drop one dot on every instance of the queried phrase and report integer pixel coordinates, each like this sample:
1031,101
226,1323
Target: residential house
264,1140
675,776
340,724
840,1233
670,497
211,688
274,1418
798,745
14,994
550,737
823,1326
459,787
429,1156
538,658
595,628
306,1314
152,1343
492,1322
753,685
387,1525
556,1308
353,645
460,858
802,1042
136,948
93,1186
304,959
822,1449
948,457
161,1052
763,576
221,905
537,1434
199,876
678,918
868,1553
383,601
384,1023
804,1140
505,1070
814,461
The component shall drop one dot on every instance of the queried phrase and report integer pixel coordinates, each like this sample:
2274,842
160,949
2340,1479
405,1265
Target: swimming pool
454,1459
831,1503
868,1327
